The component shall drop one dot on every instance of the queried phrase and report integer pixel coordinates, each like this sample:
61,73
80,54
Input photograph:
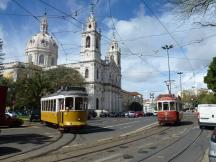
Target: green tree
197,7
33,84
63,76
210,78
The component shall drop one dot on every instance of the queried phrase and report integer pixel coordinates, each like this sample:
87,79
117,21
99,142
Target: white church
102,77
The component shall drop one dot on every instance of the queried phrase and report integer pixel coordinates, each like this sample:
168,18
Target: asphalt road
108,139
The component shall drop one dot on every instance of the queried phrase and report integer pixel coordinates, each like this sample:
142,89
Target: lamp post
167,47
180,73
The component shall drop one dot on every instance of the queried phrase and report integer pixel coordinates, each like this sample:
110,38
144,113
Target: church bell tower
90,41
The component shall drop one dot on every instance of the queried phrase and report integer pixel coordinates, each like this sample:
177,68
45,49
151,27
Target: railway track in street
172,144
81,151
54,145
85,150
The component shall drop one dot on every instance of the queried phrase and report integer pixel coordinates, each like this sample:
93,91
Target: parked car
9,121
155,112
139,114
35,115
121,114
91,113
130,114
206,115
212,147
11,114
149,114
113,114
103,114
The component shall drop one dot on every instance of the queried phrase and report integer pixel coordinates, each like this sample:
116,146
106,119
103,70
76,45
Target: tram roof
73,92
167,97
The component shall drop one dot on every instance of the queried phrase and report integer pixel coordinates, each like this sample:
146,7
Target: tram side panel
169,116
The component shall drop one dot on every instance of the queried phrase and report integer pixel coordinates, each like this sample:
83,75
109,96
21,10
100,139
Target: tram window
69,103
78,103
85,103
159,106
165,106
61,104
46,106
172,105
54,105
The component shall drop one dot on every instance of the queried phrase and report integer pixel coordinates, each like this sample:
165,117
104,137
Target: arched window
41,59
29,58
88,41
86,73
97,74
52,61
97,43
97,104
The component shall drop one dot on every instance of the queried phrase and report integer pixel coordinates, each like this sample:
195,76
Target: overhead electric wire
61,11
124,43
165,28
21,6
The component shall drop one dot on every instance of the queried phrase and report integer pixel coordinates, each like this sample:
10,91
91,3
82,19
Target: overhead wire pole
180,81
165,28
167,47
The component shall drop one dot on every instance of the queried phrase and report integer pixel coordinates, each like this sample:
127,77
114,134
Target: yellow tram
66,108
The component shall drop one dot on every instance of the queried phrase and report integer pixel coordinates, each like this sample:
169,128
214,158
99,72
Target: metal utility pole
167,47
1,58
180,73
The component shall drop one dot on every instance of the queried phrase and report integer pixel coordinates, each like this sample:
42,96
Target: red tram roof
163,97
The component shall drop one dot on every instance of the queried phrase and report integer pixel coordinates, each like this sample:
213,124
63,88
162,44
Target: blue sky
140,34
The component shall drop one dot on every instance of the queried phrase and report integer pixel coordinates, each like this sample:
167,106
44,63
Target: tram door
61,111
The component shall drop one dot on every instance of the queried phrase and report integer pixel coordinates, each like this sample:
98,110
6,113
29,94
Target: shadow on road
24,139
8,150
182,123
90,129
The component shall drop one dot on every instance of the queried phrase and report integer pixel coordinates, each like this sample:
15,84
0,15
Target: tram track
84,150
181,152
171,144
81,151
39,151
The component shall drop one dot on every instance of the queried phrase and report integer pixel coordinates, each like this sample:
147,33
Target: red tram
169,109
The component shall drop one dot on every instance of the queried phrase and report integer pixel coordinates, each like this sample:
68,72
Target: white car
11,114
206,115
130,114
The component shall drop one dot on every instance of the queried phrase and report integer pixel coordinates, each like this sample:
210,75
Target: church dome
43,42
42,49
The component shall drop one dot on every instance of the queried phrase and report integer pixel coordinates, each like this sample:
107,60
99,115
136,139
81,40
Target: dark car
103,114
113,114
91,114
35,115
9,121
212,147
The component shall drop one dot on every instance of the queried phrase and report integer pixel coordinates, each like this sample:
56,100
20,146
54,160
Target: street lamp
180,73
167,47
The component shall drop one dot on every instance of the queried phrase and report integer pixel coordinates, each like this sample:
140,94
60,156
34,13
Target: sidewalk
205,157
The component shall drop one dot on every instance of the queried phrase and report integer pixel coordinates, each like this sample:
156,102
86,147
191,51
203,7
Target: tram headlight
78,119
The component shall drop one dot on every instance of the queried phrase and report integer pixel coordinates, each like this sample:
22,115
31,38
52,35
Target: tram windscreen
79,103
69,103
159,106
165,106
172,106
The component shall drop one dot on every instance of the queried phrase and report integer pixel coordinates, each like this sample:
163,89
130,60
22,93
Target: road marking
139,130
75,145
120,124
104,139
107,158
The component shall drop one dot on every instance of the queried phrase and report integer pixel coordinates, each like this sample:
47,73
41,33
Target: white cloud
3,4
136,35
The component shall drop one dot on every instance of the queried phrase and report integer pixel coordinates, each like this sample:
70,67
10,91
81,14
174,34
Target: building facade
102,76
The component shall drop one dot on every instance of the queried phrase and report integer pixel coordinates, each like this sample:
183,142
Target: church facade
102,77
